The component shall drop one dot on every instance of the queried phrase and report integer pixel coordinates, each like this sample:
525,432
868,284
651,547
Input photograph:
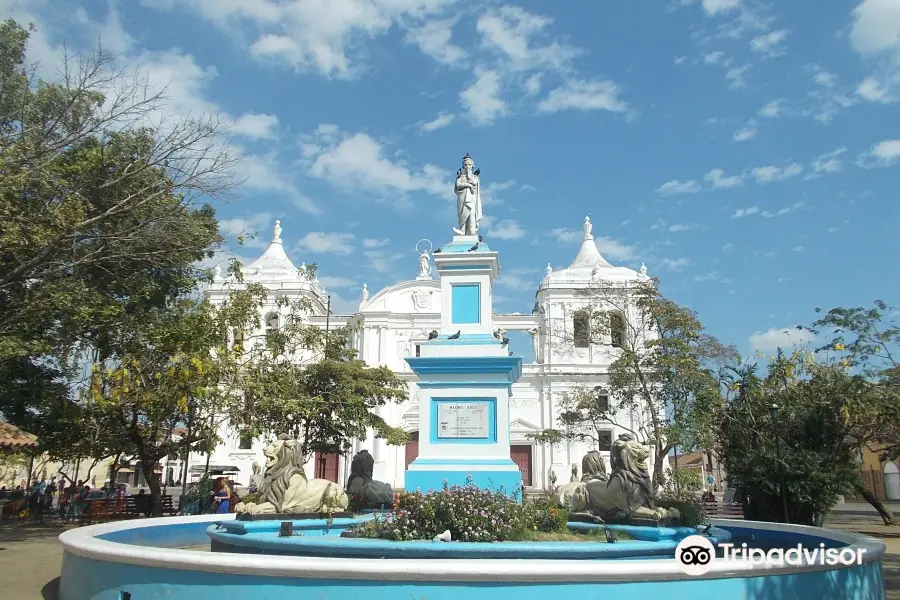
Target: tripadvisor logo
695,555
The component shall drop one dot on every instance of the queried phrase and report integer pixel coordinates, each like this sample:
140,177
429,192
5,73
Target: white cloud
327,243
771,173
769,43
745,212
679,227
434,38
713,58
770,110
532,85
566,235
439,122
674,264
876,26
829,162
584,95
882,154
719,180
520,279
887,150
255,126
309,34
715,7
737,77
507,229
824,78
747,132
875,91
510,31
676,187
332,281
250,229
773,339
482,99
798,248
357,161
613,249
783,211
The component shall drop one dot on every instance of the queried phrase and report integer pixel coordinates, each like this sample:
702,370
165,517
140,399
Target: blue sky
747,152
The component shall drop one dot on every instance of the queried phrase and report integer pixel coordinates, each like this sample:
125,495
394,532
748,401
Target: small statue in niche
574,477
363,490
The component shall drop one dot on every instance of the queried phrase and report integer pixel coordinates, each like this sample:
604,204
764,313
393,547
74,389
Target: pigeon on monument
498,334
433,335
455,336
504,342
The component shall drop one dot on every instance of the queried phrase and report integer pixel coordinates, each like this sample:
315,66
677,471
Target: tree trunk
153,483
883,511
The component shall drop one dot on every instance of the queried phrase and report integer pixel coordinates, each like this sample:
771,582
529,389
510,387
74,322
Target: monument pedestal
465,381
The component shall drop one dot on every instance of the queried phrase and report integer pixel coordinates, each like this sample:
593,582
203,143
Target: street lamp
773,412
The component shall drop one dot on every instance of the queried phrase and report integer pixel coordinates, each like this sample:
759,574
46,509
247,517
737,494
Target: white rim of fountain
85,543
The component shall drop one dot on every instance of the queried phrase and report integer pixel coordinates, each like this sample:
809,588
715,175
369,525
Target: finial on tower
643,269
364,296
548,270
588,227
277,230
217,272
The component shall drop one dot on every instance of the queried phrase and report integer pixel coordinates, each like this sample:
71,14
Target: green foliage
693,513
328,396
470,513
100,233
665,370
809,442
684,482
867,341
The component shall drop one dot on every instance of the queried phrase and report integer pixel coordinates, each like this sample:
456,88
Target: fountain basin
320,538
147,559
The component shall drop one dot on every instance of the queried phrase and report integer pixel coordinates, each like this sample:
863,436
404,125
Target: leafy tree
808,445
165,366
662,379
101,221
300,379
867,341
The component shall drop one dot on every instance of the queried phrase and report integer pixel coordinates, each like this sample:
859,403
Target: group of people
66,497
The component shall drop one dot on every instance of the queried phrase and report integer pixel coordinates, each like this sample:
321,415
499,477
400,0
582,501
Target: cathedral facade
391,324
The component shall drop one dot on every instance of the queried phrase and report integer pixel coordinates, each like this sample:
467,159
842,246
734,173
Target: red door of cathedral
521,455
326,466
412,448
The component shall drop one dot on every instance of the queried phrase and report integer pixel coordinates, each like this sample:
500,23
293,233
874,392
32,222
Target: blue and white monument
465,370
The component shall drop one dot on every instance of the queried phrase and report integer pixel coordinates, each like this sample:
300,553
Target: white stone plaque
464,420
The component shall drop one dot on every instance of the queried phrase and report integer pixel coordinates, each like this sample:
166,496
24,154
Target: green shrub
691,508
470,513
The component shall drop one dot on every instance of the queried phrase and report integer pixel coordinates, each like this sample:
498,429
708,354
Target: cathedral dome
590,266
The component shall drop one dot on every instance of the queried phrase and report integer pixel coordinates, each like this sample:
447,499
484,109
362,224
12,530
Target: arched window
245,442
581,325
271,324
616,330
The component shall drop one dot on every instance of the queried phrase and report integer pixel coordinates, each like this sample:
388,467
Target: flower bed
470,513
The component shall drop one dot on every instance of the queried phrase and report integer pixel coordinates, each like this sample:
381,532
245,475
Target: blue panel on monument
484,476
465,304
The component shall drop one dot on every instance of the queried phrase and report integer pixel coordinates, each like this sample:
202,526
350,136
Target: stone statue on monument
468,197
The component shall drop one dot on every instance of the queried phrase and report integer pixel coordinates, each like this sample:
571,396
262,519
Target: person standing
222,497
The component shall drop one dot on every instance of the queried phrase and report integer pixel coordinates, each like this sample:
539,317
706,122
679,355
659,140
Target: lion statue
627,492
574,493
363,490
285,489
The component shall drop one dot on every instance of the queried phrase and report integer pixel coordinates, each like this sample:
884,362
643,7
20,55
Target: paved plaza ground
30,555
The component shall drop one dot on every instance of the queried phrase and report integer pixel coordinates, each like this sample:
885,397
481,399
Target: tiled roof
13,438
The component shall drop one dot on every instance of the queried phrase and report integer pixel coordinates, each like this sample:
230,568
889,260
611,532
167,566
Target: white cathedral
391,324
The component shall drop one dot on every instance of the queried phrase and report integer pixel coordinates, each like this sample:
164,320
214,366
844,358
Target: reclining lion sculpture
285,488
363,490
627,492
